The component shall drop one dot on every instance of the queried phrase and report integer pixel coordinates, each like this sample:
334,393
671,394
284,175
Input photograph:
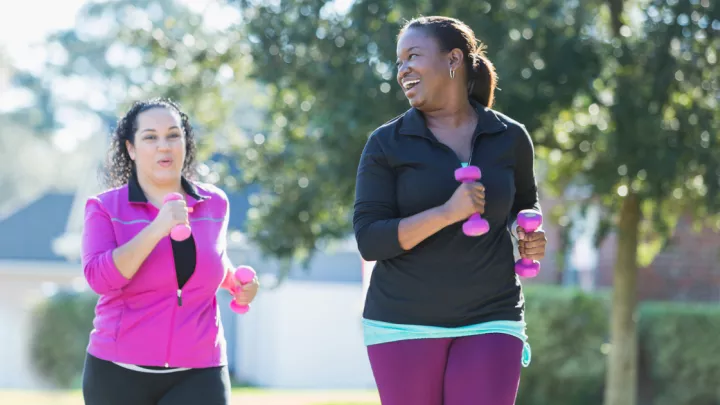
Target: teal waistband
376,332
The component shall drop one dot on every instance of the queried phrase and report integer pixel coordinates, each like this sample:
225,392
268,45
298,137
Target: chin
416,101
166,176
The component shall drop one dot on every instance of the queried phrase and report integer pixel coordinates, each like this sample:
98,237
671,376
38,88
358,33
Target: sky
23,26
22,30
27,22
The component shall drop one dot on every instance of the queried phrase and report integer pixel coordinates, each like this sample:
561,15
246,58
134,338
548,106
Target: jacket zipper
472,149
170,338
179,292
476,133
175,309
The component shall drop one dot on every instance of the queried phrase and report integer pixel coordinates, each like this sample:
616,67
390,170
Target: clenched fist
467,199
172,213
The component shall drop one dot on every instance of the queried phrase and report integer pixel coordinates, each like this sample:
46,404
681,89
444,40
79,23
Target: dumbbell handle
244,275
529,221
476,225
182,231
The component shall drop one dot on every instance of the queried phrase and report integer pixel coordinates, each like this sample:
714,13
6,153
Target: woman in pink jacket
157,336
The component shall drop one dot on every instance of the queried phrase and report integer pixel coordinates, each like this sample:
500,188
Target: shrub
61,329
680,353
567,330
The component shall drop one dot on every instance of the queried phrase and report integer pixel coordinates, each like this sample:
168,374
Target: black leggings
107,383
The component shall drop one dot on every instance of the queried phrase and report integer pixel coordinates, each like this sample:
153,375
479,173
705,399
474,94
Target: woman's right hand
467,199
172,213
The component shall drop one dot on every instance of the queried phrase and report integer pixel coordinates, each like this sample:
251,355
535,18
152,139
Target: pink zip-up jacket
147,320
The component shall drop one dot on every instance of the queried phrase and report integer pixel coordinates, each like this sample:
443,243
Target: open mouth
165,162
409,84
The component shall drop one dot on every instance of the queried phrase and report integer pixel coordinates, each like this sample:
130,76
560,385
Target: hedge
680,353
678,347
61,328
568,332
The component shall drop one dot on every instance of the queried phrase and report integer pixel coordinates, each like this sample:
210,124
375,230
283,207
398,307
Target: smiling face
158,146
423,68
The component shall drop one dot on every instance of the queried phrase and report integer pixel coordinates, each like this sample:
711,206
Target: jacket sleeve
98,243
376,218
227,263
526,192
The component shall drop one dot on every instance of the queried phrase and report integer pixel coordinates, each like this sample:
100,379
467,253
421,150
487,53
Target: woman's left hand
246,293
531,245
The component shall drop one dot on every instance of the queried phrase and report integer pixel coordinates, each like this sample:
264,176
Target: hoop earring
452,74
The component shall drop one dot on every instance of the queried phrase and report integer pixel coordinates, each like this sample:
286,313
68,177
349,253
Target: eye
411,56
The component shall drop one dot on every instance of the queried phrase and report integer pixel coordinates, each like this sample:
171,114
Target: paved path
306,398
9,397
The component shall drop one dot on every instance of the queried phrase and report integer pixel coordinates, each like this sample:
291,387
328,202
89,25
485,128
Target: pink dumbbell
529,221
475,225
243,274
179,232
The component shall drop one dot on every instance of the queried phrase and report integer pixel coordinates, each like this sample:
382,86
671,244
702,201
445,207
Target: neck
453,114
156,192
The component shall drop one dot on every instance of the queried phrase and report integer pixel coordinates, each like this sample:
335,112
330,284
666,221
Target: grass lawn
240,396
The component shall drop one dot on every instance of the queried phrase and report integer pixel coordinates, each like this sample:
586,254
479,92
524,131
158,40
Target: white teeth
410,83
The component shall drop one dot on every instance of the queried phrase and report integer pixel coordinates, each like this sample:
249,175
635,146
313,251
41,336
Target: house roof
28,234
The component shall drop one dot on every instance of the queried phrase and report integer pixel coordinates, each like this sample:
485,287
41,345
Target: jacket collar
137,195
413,122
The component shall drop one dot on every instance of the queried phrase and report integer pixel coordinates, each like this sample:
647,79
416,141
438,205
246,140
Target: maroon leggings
471,370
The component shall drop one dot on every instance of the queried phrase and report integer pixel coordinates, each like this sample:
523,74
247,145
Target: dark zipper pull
179,294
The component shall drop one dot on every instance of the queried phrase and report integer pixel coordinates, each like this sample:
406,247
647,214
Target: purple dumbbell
475,225
529,221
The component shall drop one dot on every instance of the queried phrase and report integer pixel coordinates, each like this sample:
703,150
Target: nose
164,144
402,71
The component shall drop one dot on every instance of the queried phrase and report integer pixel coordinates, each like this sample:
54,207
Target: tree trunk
622,366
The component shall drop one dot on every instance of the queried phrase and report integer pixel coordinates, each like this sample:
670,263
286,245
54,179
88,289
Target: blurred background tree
619,96
124,50
332,79
658,159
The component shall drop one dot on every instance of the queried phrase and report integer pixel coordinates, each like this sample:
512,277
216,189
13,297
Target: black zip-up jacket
449,279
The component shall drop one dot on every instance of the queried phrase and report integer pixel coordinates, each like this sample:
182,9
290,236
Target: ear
131,149
455,58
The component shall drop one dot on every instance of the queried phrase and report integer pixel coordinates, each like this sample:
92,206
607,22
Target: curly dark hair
119,166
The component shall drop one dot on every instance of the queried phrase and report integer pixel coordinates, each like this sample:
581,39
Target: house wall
688,269
306,332
304,335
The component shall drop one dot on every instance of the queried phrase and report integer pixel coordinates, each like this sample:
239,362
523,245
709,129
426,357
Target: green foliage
332,82
646,126
60,333
567,332
680,350
633,111
127,50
